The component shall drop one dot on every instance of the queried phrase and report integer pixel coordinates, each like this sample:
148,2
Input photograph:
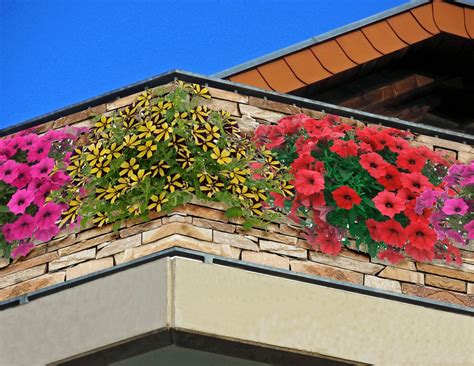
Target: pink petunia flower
469,227
47,215
8,171
23,176
46,234
39,150
28,141
42,169
455,206
8,232
20,200
22,250
60,178
41,193
24,227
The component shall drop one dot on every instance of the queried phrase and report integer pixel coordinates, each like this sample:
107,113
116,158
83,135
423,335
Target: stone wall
204,227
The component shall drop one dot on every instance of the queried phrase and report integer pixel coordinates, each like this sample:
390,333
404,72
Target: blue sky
57,52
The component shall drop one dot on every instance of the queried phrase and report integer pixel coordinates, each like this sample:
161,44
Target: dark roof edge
469,3
246,90
320,38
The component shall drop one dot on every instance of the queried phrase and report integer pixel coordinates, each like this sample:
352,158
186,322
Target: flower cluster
155,154
32,179
357,182
452,208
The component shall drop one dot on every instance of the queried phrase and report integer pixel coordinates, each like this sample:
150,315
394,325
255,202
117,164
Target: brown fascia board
352,46
246,90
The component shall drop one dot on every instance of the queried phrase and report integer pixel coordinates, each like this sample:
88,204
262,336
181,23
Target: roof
354,45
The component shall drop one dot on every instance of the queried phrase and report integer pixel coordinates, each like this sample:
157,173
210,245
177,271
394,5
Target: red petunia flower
374,164
388,203
421,255
344,148
374,227
398,145
328,243
392,233
411,160
304,161
314,200
380,140
391,256
420,235
391,179
346,197
309,182
415,182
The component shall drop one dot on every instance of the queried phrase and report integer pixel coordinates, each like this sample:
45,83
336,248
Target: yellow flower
71,214
159,110
131,141
257,208
102,167
95,153
173,183
144,99
101,219
100,192
206,178
147,149
112,194
180,115
159,169
139,176
185,159
135,209
212,132
75,168
157,201
103,123
163,132
201,91
221,156
200,113
129,117
237,175
115,151
127,167
287,189
146,129
178,143
124,185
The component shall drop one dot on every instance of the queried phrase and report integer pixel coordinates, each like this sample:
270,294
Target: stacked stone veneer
204,227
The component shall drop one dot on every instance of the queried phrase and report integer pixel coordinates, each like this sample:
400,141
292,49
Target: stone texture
122,102
89,267
34,284
402,275
327,271
470,288
222,105
445,282
465,157
291,230
403,264
451,145
79,116
177,241
227,95
28,263
381,283
247,125
4,262
61,242
86,244
279,248
215,225
177,228
267,259
17,277
139,228
313,114
268,235
45,127
71,259
346,263
93,232
260,113
437,294
234,240
444,271
274,106
204,212
446,153
176,218
119,246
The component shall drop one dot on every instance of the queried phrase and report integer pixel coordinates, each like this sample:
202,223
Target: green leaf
234,212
